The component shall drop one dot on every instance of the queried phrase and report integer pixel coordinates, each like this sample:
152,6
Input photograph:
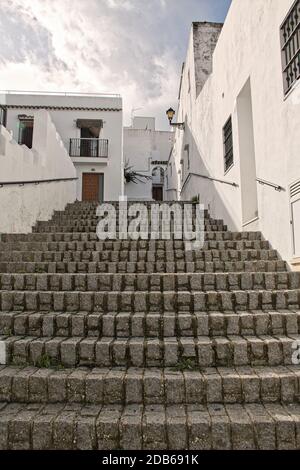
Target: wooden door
90,187
157,193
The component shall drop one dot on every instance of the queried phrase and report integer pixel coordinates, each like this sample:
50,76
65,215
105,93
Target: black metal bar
95,148
23,183
290,47
290,37
228,144
208,178
277,187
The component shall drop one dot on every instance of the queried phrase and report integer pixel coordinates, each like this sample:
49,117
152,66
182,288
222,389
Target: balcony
92,148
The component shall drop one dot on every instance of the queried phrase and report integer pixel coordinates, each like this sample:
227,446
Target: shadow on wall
210,196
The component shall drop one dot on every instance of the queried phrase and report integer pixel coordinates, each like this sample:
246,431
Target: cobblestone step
84,228
181,301
149,352
154,282
92,236
201,257
124,344
92,217
177,247
142,267
120,385
150,427
152,325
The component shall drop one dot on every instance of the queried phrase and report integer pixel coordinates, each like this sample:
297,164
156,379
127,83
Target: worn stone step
201,257
93,217
146,386
66,219
151,325
177,247
152,352
154,282
131,301
84,228
150,427
85,237
63,267
82,205
91,228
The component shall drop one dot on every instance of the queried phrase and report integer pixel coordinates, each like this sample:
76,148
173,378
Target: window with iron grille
290,47
228,145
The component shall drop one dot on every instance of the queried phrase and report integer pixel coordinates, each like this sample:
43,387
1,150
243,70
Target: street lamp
170,113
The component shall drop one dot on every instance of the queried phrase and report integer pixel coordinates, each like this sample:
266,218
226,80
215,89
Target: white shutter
295,213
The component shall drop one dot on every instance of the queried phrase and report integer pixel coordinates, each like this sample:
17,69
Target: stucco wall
141,148
22,206
248,50
108,109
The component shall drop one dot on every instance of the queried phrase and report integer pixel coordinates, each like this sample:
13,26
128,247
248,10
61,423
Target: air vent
295,189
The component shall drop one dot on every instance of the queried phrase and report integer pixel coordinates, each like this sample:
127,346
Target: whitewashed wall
22,206
108,109
142,147
248,53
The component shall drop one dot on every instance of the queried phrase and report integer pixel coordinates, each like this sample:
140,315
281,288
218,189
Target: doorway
26,131
92,187
247,156
157,193
158,175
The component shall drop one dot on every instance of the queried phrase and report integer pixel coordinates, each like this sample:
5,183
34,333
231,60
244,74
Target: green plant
47,362
132,176
195,199
44,361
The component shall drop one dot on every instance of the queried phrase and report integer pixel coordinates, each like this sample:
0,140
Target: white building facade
146,152
90,127
34,181
240,103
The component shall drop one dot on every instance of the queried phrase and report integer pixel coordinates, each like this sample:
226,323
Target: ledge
295,263
94,160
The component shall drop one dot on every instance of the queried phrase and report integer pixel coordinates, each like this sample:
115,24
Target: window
2,116
290,47
26,131
187,151
182,169
228,145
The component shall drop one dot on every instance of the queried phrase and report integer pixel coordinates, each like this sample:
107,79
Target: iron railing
290,46
23,183
277,187
89,148
235,185
228,145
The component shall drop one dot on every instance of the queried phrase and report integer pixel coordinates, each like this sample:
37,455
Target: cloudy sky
131,47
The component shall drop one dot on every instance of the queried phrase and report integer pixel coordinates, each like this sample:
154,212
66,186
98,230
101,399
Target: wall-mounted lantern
171,113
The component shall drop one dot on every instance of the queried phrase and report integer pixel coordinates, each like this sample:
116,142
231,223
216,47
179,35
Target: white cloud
132,47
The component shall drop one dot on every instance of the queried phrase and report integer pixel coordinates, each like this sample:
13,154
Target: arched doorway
158,175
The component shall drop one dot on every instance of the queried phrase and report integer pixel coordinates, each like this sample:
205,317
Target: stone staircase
143,345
